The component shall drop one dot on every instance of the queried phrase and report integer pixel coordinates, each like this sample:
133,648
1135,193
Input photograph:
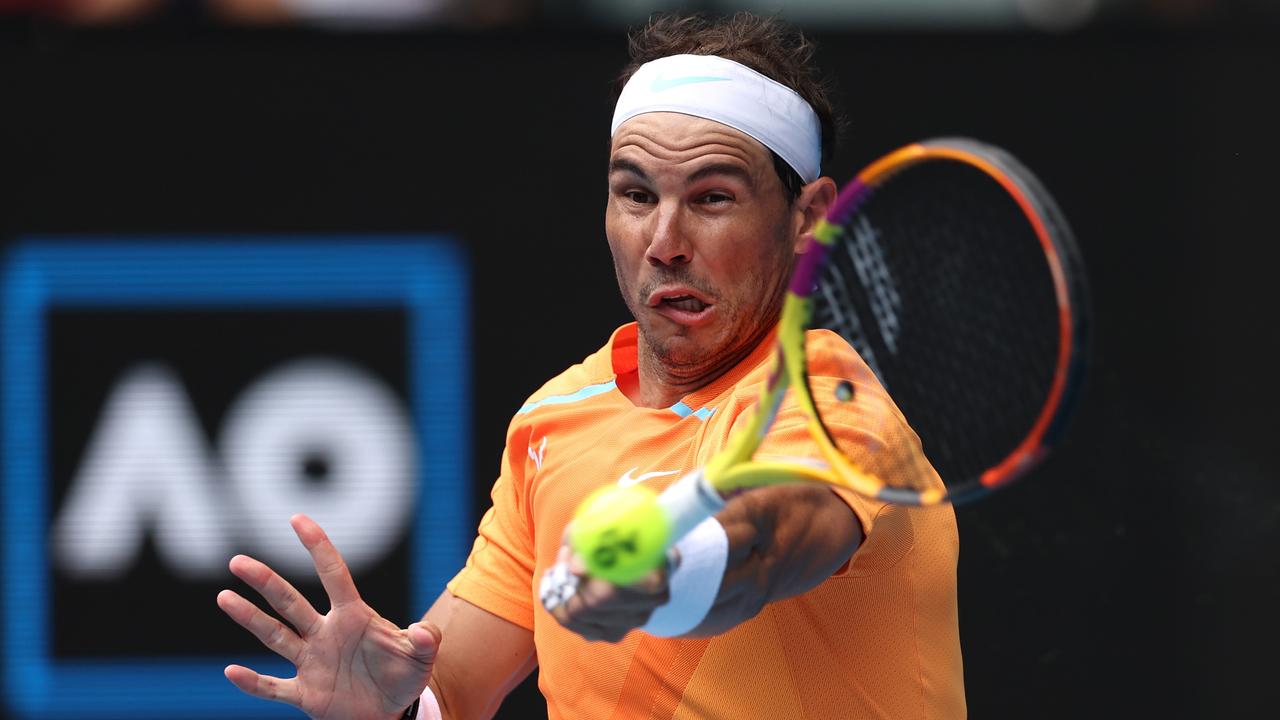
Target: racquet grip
688,502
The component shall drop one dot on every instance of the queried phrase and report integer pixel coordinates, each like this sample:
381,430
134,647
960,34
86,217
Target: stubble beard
681,358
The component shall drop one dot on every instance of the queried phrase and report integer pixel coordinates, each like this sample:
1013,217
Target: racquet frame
733,468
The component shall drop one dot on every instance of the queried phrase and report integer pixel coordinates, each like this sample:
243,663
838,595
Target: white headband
711,87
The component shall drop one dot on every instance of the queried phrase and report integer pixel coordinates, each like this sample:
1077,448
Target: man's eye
638,196
716,198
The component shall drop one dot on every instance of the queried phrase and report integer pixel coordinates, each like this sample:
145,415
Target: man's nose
668,243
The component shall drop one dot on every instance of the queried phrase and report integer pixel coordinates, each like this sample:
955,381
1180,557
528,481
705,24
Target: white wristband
429,709
695,582
689,501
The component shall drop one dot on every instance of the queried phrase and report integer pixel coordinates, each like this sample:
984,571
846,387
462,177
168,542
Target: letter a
147,465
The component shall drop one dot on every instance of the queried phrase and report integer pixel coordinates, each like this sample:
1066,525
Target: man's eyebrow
732,170
619,165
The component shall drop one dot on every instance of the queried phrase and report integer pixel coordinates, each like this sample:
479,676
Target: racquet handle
689,501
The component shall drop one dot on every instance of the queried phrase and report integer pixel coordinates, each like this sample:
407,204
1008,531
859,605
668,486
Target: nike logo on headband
660,83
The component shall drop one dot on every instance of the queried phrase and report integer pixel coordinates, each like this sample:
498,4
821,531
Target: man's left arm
783,540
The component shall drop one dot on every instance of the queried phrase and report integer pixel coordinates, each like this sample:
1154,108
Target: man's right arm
482,658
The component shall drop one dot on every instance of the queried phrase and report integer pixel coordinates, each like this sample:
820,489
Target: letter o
330,408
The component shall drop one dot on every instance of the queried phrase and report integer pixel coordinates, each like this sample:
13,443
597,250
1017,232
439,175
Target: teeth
684,302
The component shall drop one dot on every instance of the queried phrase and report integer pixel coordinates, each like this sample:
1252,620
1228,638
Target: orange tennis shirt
879,639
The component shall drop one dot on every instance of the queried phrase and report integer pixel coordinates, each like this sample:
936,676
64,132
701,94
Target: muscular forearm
482,658
783,541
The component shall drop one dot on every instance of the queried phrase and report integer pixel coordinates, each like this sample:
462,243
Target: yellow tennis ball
621,533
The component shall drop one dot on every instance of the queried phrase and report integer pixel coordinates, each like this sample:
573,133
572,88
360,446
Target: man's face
703,237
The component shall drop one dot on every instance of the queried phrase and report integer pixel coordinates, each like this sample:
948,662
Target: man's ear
812,205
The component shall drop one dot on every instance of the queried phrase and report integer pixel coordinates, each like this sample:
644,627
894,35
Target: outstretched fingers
264,686
330,566
277,591
269,631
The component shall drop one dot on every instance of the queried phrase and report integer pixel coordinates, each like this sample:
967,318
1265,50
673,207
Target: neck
659,385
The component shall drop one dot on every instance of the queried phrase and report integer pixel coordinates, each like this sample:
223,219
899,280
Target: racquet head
950,269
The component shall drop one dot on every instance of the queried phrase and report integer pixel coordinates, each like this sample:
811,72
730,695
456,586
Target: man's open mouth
688,303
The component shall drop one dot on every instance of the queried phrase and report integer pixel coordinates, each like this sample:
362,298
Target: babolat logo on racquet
952,272
170,403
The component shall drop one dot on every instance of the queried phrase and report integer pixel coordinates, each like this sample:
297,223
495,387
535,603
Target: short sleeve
886,529
498,576
872,432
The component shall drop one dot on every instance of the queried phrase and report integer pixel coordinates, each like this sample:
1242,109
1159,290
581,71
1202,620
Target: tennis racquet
950,269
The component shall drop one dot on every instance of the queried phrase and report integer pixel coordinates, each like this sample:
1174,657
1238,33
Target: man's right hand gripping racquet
950,269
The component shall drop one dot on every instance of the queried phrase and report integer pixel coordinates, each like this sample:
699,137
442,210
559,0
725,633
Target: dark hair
768,45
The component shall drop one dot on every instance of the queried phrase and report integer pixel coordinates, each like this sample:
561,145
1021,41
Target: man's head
713,184
767,45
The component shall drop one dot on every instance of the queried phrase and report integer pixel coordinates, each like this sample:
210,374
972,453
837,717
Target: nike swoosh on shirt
627,479
660,83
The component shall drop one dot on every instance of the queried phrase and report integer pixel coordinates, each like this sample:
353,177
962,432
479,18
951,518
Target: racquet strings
941,284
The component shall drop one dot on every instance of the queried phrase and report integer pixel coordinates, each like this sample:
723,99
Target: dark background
91,349
1134,575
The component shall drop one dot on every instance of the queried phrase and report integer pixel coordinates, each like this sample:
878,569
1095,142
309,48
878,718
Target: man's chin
679,347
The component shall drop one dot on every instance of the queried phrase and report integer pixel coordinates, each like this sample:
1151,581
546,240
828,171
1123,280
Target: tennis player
796,601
